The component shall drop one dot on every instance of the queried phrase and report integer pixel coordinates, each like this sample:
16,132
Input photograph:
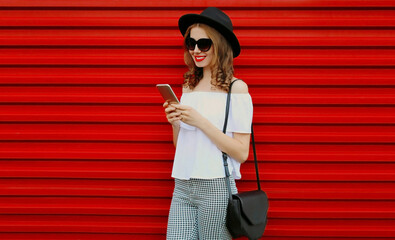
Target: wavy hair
222,62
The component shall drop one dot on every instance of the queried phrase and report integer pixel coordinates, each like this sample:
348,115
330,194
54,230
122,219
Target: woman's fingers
169,109
174,120
173,116
181,107
175,112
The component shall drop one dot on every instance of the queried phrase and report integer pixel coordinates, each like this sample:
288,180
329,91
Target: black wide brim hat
216,19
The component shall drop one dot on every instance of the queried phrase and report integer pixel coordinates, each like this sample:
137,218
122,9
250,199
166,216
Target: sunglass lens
190,43
204,44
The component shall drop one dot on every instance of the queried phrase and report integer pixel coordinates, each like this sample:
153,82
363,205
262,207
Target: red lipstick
199,58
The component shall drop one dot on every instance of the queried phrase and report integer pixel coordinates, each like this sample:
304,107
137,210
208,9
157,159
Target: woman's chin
201,64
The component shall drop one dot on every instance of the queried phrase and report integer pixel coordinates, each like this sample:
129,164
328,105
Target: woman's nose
196,50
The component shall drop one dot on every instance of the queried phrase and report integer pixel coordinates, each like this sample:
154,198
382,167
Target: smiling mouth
199,58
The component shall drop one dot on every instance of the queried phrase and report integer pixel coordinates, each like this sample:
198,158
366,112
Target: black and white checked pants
198,210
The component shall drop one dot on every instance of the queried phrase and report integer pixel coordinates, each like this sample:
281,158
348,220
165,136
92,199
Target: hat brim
187,20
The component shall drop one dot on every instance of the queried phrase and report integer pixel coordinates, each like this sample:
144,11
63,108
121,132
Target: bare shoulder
240,87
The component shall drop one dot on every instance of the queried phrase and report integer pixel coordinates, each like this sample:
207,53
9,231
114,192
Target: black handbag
247,211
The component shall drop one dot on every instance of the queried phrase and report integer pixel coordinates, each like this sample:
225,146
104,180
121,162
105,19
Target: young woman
198,208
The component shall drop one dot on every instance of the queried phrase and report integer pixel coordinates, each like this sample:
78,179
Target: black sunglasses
204,44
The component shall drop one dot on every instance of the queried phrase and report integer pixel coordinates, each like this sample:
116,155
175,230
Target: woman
198,208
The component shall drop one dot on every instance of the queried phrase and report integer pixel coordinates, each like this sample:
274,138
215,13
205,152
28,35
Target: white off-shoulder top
196,155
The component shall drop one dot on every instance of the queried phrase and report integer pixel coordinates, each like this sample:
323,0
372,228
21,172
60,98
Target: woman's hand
189,115
172,115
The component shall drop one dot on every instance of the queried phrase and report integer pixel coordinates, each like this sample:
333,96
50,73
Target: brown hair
221,65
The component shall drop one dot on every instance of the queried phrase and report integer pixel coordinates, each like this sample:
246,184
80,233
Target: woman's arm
236,147
173,118
176,130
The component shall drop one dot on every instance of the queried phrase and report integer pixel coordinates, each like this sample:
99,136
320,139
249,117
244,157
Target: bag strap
225,156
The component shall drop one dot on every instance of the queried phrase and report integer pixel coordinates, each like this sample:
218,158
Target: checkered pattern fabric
198,210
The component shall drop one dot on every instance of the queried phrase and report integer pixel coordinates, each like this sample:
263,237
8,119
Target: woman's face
201,59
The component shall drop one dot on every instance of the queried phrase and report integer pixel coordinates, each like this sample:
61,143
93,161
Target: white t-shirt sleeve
240,113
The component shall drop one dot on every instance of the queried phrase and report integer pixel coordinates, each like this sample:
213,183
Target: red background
85,150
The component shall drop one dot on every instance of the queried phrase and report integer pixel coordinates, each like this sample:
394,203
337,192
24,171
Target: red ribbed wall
85,150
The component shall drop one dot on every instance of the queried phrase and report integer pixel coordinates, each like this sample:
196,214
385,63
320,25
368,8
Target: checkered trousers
198,209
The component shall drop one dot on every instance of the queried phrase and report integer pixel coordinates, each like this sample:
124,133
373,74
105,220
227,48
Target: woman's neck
206,74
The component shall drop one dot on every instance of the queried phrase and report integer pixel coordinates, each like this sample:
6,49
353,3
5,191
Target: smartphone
167,93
